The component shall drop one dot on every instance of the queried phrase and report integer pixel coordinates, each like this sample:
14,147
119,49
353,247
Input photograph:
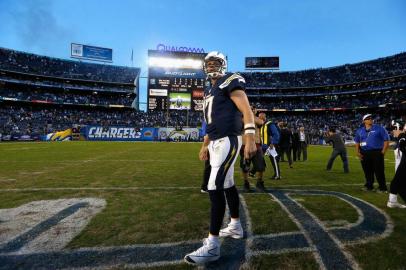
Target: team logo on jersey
235,76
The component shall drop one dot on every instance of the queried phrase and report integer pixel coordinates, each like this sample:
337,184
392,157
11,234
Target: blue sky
305,34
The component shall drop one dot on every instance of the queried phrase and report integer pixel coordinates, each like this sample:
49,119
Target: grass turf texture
145,212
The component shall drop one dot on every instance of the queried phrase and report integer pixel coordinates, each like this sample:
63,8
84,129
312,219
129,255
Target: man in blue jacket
371,143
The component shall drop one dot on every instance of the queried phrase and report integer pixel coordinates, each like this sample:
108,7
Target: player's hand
250,148
204,153
360,155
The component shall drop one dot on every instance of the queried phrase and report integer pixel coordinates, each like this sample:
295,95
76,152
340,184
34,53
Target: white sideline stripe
156,188
282,251
249,233
272,235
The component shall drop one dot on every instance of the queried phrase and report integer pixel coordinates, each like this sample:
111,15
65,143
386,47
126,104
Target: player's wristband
249,131
249,126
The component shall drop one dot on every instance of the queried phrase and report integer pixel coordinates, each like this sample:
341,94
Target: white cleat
234,231
395,205
209,252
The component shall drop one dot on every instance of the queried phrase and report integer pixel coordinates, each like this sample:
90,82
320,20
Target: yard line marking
327,244
162,188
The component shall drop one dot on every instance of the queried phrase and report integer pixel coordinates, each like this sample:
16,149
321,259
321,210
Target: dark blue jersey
221,114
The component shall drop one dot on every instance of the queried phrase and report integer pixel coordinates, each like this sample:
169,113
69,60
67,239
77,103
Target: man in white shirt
303,139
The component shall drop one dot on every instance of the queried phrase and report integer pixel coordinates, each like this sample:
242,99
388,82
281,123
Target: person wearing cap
371,143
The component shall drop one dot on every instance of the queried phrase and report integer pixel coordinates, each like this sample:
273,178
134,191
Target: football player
225,104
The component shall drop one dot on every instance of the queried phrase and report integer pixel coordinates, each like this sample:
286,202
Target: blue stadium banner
99,133
91,52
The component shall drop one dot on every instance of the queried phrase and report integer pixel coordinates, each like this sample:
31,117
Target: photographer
398,184
338,149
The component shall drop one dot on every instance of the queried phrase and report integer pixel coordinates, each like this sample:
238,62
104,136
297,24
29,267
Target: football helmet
215,56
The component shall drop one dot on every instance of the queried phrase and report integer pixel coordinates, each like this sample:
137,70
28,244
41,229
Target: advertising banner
186,134
149,134
99,133
65,135
91,52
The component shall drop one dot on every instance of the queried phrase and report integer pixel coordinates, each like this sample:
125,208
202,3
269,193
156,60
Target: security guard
371,143
270,136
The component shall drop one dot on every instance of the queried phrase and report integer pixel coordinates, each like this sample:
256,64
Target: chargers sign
98,133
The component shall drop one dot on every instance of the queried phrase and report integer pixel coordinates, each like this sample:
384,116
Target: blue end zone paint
96,258
280,242
233,254
23,239
330,253
374,223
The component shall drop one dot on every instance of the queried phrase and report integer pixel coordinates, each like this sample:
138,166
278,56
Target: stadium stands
57,68
40,94
381,68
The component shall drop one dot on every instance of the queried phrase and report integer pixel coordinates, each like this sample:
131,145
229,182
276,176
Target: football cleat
247,187
395,205
232,230
209,252
260,186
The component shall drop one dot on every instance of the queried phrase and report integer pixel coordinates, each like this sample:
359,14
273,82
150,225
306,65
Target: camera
398,124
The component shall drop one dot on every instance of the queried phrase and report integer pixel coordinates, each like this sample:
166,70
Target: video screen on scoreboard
262,62
175,81
180,101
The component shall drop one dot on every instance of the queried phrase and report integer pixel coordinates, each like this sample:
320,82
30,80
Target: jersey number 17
207,105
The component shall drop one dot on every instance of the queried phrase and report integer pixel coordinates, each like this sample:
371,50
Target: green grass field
153,196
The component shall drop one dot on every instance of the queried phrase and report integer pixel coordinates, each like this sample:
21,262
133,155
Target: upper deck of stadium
372,70
81,72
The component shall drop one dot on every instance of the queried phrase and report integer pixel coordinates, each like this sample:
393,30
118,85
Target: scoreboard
176,80
262,62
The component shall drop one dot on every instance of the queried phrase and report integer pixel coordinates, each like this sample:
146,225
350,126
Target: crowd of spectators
36,120
329,102
40,121
346,86
362,88
317,124
67,97
47,66
29,81
350,73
